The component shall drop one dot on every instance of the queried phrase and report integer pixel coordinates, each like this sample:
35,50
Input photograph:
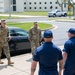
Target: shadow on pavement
29,60
3,66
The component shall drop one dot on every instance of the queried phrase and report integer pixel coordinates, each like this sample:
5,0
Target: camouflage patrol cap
3,20
35,22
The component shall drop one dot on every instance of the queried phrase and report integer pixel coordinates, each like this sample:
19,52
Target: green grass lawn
3,17
33,13
6,17
28,25
24,13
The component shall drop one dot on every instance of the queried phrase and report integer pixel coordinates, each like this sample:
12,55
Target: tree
62,2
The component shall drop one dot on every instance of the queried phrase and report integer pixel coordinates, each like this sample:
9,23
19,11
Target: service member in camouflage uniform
4,37
34,37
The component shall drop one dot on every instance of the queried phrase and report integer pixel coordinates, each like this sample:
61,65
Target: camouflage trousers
5,51
34,45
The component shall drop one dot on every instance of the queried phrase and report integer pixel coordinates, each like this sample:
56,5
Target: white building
29,5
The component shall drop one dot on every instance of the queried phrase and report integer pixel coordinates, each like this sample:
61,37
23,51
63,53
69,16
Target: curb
71,21
49,28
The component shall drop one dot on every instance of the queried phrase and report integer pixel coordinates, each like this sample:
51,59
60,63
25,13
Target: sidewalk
21,67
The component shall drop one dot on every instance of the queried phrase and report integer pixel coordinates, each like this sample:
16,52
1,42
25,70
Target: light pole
9,8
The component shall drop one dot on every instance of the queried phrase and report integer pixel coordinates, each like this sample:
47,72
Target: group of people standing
49,55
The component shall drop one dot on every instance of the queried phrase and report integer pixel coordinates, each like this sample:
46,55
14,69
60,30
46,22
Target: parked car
57,12
19,39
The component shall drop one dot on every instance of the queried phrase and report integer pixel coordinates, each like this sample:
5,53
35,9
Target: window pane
14,1
30,8
24,2
14,8
34,7
50,2
29,2
39,2
39,7
45,2
34,2
45,7
24,7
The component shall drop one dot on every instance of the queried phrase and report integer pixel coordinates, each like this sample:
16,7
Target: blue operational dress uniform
47,55
69,48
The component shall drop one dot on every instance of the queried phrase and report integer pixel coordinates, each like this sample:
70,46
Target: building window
64,5
34,2
45,2
51,7
24,2
39,2
30,7
56,3
34,7
39,7
14,8
29,2
50,2
56,7
24,7
14,1
45,7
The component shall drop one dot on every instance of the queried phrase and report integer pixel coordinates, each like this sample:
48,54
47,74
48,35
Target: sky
73,0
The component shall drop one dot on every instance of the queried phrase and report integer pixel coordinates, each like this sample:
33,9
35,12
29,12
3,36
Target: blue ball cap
48,34
71,30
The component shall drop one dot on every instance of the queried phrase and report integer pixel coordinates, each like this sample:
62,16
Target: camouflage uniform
4,33
35,37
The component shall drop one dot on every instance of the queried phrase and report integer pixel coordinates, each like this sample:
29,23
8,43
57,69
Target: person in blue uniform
69,53
48,55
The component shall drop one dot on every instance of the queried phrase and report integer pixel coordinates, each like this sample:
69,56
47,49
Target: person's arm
40,35
30,35
60,66
8,34
33,67
64,57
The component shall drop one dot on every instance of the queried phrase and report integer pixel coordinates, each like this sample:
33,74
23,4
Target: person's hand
8,38
30,40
